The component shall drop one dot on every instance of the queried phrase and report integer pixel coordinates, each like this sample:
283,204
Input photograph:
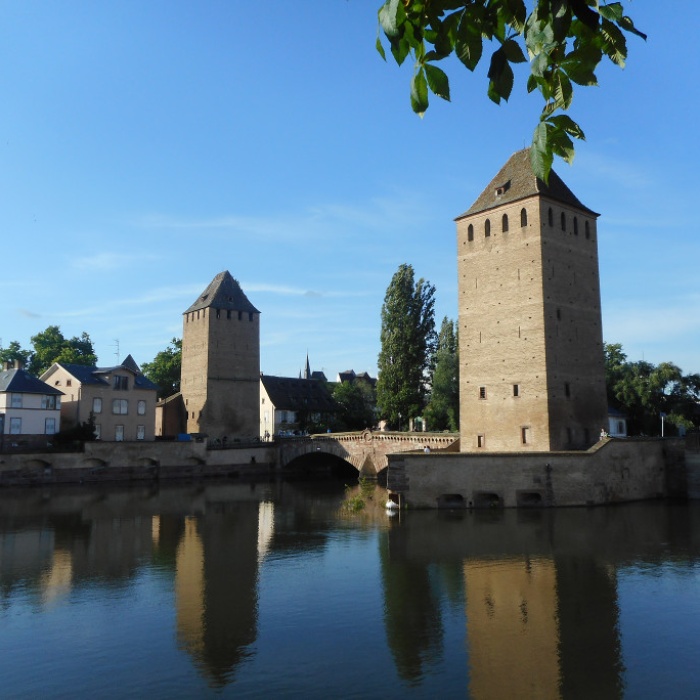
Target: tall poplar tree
408,342
442,411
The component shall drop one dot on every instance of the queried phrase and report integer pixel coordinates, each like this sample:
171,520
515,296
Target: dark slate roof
19,381
515,181
223,292
86,374
299,394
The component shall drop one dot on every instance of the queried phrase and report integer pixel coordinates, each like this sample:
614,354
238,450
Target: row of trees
644,392
418,368
48,347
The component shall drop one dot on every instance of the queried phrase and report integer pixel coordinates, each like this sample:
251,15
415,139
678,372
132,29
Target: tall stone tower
532,374
220,381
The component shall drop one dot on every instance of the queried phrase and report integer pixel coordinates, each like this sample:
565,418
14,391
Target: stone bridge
366,450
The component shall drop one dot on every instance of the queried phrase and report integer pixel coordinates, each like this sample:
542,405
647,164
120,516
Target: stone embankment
135,461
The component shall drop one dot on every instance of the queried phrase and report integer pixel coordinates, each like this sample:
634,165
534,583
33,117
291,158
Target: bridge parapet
367,451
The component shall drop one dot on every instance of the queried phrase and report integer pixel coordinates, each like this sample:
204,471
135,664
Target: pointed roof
223,292
307,369
290,394
19,381
516,181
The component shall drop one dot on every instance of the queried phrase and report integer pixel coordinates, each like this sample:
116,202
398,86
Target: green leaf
614,45
613,11
566,123
513,51
391,17
561,144
469,42
400,49
437,81
563,92
628,25
500,76
380,48
419,92
541,153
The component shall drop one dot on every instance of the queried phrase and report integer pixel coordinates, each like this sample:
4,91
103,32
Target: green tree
51,346
564,41
165,369
14,352
407,346
644,391
442,411
357,405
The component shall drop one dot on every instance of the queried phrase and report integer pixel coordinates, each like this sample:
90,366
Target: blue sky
145,147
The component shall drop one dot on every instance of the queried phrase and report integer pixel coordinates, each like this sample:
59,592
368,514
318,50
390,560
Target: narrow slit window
482,392
470,233
516,389
523,217
504,223
487,228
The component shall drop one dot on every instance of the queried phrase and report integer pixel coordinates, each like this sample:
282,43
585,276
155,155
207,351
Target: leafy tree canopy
643,391
357,405
407,345
14,352
51,346
164,371
563,40
442,411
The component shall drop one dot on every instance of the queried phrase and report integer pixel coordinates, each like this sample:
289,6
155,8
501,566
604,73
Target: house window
49,426
575,226
563,221
49,402
504,223
487,228
69,382
481,441
516,389
140,432
141,408
15,426
119,433
482,392
525,434
523,217
120,407
121,383
16,401
97,405
470,233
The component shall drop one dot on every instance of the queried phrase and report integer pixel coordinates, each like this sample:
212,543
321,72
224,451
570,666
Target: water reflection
484,604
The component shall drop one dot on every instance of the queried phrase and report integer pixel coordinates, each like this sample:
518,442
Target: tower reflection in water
541,612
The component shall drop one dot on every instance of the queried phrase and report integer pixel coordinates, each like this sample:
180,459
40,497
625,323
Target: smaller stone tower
532,374
220,381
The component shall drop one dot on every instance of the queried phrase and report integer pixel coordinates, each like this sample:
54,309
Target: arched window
470,233
575,226
487,228
504,223
588,231
550,217
563,221
523,217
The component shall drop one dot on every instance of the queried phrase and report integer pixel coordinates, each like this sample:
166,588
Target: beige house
30,410
120,399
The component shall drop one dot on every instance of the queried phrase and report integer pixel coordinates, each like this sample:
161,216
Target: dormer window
502,189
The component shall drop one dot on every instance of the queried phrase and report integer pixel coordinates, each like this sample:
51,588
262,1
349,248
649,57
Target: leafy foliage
407,346
357,401
565,40
644,391
165,369
51,346
442,411
14,352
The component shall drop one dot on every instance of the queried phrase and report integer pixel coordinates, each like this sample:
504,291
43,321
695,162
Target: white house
30,410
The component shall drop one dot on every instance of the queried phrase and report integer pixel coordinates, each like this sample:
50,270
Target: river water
279,590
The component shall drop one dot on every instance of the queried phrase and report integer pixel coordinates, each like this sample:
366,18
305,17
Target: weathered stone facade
532,374
220,380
